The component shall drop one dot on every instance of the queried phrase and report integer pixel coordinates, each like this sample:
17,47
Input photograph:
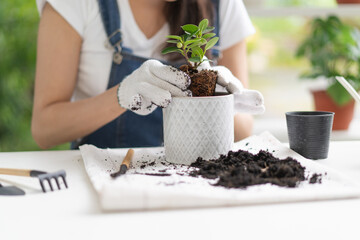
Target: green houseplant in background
333,49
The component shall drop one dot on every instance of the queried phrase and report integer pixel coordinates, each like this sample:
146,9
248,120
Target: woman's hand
234,58
245,100
152,85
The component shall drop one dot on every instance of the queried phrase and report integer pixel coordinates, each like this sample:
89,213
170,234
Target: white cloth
152,85
136,191
96,59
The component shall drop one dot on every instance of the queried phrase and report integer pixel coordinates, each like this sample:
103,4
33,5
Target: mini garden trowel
10,190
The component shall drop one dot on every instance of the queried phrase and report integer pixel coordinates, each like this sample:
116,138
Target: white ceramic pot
198,127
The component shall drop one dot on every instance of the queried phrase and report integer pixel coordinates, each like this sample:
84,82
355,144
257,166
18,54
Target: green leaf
199,43
339,94
194,59
209,35
197,51
211,43
203,25
171,49
208,29
186,37
192,41
190,28
172,41
174,37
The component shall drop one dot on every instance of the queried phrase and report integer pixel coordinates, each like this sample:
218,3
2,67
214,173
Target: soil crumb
315,178
242,169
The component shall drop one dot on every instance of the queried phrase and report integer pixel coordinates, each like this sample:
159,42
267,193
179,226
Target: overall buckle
117,57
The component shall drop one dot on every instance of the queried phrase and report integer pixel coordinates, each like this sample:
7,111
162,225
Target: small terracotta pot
343,114
347,1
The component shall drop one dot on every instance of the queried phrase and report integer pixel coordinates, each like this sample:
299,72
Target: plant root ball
203,83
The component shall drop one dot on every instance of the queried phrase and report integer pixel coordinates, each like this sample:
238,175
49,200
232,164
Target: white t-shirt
96,58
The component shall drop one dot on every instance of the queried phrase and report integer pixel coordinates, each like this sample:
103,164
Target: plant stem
186,55
197,65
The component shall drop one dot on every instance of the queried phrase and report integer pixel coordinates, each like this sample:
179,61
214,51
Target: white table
75,214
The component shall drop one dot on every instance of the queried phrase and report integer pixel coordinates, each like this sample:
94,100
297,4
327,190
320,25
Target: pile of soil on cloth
242,169
203,83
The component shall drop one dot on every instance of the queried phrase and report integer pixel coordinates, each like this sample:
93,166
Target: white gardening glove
152,85
245,100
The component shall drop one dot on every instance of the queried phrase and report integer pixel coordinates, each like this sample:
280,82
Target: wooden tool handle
16,172
124,165
128,157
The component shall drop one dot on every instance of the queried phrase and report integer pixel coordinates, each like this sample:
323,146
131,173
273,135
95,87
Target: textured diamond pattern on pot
198,127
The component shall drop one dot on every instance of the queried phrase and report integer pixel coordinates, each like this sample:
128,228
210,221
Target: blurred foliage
277,39
18,31
333,49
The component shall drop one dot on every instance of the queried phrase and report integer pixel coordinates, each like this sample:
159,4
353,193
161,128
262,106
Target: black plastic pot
309,133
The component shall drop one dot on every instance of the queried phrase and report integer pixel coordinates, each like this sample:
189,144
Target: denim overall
129,129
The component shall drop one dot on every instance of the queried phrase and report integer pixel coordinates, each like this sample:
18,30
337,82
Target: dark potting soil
242,169
239,169
315,178
203,83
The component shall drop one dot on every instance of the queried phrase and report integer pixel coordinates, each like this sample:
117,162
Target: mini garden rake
42,176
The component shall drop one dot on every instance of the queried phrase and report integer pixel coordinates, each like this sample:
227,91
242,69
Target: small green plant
333,49
194,43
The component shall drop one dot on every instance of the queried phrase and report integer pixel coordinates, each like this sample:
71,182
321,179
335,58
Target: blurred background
274,69
18,34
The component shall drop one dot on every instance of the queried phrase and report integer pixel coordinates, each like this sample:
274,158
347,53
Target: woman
82,58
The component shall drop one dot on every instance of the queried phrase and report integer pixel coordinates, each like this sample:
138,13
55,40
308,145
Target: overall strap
109,10
216,21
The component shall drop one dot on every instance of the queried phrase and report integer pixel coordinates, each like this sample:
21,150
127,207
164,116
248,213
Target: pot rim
220,95
309,113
